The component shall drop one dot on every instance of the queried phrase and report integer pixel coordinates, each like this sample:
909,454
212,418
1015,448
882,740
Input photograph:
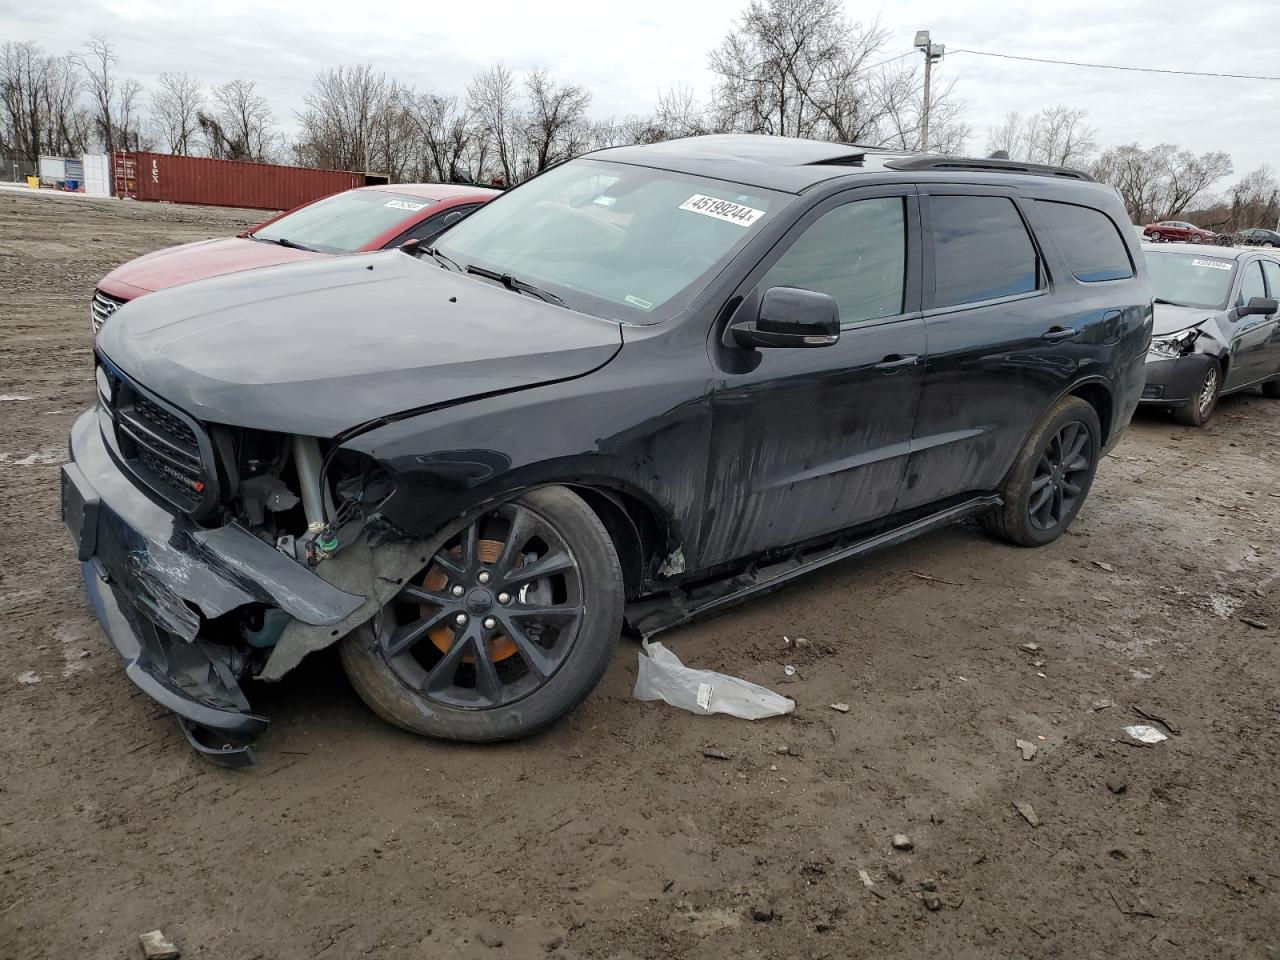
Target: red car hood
195,261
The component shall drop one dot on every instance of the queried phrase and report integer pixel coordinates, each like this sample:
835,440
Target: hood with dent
1171,319
202,259
319,347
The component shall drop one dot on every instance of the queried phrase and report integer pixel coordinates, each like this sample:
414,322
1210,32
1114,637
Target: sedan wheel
1199,407
510,625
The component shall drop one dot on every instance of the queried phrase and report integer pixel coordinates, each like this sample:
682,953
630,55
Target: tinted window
856,253
1272,271
1251,283
433,226
981,250
1089,241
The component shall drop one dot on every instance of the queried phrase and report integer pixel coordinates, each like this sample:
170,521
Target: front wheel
1199,407
511,624
1051,477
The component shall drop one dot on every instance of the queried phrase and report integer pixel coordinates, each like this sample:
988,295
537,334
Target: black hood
319,347
1170,318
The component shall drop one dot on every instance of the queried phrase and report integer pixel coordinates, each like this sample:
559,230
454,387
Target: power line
1112,66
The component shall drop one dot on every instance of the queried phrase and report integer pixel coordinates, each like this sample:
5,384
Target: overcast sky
626,52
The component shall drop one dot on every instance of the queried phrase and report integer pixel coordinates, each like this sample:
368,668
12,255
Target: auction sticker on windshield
404,205
725,210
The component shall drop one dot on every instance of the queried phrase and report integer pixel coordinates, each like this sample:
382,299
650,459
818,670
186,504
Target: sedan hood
320,347
1170,319
204,258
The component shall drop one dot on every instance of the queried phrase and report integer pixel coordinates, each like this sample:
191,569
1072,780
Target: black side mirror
1260,306
791,317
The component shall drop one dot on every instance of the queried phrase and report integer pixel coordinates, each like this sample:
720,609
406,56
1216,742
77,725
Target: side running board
653,615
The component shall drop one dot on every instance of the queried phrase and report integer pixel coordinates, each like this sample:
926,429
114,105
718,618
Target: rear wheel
1200,405
1157,237
508,628
1271,389
1051,477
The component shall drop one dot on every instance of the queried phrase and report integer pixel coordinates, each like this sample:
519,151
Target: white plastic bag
663,677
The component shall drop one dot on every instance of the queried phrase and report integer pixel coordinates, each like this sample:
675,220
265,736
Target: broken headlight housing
1173,345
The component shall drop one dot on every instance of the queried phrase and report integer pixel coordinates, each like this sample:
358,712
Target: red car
1177,230
369,218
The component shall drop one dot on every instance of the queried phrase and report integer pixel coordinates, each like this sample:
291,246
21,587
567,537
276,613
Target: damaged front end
212,554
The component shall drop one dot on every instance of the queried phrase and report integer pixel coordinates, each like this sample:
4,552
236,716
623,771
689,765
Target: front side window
344,222
981,250
856,253
612,239
1251,284
1089,241
1271,270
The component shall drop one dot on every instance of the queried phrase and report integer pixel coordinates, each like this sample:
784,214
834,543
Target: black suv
646,384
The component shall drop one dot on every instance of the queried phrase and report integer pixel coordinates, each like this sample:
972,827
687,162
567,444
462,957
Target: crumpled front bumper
1174,380
155,580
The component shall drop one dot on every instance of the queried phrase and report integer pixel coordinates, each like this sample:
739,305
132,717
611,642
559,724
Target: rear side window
981,250
1089,241
856,253
1251,283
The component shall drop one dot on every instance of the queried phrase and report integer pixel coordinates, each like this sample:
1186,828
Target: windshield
344,222
614,240
1191,281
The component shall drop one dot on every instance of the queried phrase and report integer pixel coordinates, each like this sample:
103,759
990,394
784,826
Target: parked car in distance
1177,230
1258,237
354,221
1217,327
645,384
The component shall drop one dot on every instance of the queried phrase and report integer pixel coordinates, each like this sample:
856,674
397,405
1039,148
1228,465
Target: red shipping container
230,183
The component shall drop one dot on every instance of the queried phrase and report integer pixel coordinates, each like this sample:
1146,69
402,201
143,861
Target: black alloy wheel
1060,476
509,625
493,616
1051,476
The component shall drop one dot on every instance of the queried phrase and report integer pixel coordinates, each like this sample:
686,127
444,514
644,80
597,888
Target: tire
1271,389
1266,243
392,681
1199,407
1014,520
1157,237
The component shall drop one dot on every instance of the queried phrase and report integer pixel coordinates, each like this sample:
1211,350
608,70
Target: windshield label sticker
637,302
405,205
1216,264
725,210
605,201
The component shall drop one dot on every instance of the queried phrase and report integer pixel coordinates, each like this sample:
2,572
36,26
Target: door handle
1058,334
895,362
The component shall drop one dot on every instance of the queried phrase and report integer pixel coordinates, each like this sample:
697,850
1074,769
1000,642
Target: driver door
808,441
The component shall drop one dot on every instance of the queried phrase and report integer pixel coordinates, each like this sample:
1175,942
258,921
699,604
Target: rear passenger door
1271,362
1009,328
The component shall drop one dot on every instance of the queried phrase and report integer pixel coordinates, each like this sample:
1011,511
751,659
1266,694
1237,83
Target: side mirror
791,317
1260,306
411,246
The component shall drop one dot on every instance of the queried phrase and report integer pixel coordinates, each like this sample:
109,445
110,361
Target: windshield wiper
280,242
511,283
440,257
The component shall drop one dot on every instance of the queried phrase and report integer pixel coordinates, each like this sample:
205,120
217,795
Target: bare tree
24,80
128,121
446,134
99,66
175,109
241,125
800,68
557,125
1059,136
493,103
337,122
1160,183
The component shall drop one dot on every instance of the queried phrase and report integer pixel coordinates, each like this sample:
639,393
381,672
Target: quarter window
1089,241
856,253
981,250
1251,284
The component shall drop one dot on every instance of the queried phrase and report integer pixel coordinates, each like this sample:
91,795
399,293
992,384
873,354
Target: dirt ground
613,836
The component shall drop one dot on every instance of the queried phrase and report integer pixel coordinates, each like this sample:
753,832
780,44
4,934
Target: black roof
791,164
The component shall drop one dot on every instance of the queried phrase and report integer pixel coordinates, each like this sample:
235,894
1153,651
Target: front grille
166,449
101,307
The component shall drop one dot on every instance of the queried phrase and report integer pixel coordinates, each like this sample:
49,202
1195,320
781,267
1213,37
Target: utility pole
932,52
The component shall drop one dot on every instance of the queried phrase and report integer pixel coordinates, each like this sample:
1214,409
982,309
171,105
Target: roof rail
988,164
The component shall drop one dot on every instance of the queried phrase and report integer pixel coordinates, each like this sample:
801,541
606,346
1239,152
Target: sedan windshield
345,222
1191,281
611,239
